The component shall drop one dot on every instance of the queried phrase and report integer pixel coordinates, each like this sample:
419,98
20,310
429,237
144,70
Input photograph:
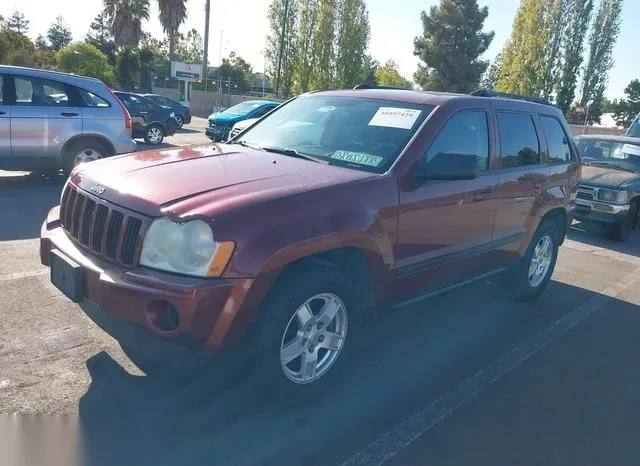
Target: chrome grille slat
106,229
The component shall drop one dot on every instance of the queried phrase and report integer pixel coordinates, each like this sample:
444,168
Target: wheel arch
85,137
558,216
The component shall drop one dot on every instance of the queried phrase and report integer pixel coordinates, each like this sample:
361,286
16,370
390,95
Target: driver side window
466,132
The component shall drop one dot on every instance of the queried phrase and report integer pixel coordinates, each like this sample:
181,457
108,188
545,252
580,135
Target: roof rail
505,95
373,86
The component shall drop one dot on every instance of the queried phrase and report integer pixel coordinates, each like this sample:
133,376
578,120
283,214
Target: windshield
614,153
366,134
242,109
634,129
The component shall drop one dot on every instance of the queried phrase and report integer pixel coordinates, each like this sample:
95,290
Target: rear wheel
179,121
622,229
532,275
305,330
154,134
82,152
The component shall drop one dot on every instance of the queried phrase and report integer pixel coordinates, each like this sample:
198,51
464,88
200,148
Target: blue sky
394,24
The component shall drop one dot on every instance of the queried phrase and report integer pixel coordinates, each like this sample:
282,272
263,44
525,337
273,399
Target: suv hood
605,177
204,180
225,119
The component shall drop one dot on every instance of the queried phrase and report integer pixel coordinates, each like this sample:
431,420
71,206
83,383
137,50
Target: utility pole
284,30
205,59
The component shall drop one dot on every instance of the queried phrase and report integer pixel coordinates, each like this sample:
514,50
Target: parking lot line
19,275
391,443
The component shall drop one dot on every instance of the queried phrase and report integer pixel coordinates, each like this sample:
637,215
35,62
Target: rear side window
519,144
39,92
91,100
466,132
557,141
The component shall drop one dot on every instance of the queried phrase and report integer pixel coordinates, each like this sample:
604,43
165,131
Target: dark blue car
220,123
182,111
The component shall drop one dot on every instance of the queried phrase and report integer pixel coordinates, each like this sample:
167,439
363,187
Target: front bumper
213,314
217,133
593,211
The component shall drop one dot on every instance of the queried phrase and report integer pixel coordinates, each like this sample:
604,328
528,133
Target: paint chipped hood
205,180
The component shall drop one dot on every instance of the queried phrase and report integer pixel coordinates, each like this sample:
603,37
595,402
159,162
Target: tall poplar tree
353,39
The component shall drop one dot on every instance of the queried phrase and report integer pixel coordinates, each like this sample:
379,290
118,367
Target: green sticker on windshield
357,157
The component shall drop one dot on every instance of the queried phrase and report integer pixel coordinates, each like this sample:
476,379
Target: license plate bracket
67,276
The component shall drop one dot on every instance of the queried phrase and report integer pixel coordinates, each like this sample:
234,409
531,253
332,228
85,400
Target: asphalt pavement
469,377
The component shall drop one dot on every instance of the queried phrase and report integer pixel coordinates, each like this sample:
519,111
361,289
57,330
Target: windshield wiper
291,153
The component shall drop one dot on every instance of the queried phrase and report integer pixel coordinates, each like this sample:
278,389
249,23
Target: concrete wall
203,104
579,129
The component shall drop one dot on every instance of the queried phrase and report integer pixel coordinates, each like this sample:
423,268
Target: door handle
68,114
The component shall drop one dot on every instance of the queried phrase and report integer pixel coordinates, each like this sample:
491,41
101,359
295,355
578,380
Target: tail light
127,115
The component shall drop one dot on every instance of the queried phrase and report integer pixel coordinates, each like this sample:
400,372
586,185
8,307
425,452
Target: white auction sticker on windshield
391,117
631,149
357,157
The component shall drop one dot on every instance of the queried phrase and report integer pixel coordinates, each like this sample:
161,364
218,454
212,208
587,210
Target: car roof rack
505,95
373,86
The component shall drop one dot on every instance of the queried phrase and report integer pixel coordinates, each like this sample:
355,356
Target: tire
281,337
519,280
83,151
179,121
622,230
154,134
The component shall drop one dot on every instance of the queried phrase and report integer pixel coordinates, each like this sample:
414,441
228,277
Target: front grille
586,193
101,227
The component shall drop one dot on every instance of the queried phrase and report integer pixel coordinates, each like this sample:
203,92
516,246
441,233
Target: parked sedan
151,122
609,192
182,111
220,123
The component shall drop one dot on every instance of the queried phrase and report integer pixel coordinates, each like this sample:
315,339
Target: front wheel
179,121
622,229
154,135
532,275
305,329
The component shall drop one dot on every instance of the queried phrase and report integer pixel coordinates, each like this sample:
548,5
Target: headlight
186,248
172,114
612,195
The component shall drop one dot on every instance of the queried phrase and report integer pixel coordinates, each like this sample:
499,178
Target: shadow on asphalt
185,130
25,200
598,235
404,361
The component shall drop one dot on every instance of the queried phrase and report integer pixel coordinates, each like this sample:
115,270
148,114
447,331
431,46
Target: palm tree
172,14
124,18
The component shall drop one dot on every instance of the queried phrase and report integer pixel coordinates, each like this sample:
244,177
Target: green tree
490,78
18,23
100,36
524,55
352,42
41,43
323,47
369,66
389,75
59,34
189,48
85,59
128,68
16,49
125,20
238,70
309,16
2,21
579,17
451,45
628,108
172,14
604,34
276,19
556,13
147,60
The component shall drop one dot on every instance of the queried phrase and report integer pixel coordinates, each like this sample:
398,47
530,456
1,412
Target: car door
444,227
524,177
45,115
5,122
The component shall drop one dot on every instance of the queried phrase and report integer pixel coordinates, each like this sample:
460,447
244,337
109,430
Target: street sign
185,70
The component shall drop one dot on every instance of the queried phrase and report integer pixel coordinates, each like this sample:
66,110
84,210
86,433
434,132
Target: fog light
163,315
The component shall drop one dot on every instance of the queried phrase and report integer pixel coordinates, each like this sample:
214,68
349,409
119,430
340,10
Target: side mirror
449,166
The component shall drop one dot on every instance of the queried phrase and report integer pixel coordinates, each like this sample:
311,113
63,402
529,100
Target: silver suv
51,120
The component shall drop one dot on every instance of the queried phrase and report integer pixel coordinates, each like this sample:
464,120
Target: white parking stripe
19,275
391,443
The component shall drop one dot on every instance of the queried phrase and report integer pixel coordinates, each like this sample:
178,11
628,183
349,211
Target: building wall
579,129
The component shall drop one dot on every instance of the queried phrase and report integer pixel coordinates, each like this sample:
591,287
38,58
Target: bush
85,59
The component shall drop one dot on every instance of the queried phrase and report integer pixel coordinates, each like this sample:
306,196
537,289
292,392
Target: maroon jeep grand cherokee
335,204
